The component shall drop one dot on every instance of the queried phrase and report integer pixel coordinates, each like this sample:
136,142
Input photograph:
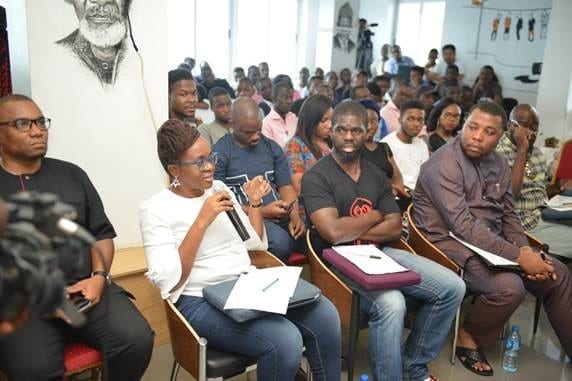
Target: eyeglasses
446,115
355,131
531,126
24,125
201,164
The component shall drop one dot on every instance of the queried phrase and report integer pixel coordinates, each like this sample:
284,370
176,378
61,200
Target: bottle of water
510,359
364,377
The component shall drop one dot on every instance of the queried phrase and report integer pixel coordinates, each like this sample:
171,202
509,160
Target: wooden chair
343,297
425,248
78,358
191,351
563,168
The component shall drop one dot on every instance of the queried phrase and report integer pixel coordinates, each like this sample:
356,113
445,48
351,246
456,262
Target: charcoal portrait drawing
99,40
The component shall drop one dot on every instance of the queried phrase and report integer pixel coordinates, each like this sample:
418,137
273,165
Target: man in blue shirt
397,59
246,153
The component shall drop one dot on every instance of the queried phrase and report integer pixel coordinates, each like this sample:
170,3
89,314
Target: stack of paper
560,203
369,259
490,258
266,289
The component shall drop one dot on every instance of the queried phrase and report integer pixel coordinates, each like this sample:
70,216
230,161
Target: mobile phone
290,206
80,302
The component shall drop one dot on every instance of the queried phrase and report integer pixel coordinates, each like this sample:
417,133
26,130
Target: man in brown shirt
465,188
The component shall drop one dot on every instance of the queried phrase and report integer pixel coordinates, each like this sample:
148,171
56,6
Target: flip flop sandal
471,357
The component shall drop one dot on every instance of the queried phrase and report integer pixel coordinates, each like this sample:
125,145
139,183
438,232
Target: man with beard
349,201
113,325
529,180
98,41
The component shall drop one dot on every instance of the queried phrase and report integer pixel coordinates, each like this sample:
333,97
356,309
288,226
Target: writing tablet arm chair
425,248
191,352
343,297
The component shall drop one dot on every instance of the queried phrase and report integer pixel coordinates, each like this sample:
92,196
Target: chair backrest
564,163
423,247
262,259
331,285
184,340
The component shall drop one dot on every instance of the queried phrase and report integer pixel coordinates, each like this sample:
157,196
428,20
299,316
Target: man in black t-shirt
349,200
114,325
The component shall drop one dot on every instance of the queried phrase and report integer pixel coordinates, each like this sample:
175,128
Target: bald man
529,180
113,323
244,154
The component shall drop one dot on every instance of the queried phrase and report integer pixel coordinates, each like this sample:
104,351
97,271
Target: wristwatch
104,274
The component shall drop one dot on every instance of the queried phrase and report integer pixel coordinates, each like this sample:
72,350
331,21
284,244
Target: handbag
370,281
216,295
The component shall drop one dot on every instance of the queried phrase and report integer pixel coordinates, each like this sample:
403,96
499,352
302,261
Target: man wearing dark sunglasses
530,180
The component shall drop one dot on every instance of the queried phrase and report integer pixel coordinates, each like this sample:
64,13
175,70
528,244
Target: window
228,33
420,28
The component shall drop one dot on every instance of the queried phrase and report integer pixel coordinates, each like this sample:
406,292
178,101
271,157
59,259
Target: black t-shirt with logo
326,185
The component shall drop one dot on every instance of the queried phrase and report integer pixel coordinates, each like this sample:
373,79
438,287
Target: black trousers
35,350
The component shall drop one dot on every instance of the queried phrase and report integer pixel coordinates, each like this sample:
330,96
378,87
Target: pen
270,285
375,256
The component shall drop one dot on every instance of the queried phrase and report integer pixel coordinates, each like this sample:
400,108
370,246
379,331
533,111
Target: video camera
41,252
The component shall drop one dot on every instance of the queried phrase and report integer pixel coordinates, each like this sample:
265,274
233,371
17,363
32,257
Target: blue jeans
440,292
280,242
276,341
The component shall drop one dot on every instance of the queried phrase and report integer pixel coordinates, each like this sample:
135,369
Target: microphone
234,218
373,24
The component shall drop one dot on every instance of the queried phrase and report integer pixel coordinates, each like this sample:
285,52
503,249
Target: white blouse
165,220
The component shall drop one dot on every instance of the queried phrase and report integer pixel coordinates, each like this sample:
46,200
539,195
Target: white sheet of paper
361,256
492,258
266,289
560,203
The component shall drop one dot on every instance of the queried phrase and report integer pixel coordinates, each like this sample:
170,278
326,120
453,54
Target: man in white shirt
449,54
409,151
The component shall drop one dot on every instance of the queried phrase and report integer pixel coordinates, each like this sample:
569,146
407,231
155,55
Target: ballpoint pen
270,285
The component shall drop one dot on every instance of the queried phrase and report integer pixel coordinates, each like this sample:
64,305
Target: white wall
555,87
381,12
108,132
472,37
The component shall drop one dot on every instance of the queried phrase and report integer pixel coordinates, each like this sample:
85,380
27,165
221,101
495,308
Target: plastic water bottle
510,359
364,377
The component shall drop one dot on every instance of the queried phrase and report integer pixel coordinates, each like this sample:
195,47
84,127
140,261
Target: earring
176,183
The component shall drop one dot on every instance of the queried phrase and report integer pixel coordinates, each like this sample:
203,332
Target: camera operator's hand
91,288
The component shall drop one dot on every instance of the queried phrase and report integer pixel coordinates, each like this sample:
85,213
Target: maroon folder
369,281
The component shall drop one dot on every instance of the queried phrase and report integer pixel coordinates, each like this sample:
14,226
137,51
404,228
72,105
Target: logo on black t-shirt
360,207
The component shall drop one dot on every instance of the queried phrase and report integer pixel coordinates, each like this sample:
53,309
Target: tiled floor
541,357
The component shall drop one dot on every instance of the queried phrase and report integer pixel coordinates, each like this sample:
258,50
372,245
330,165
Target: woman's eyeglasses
201,164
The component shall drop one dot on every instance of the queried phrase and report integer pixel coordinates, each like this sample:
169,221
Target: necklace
529,170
